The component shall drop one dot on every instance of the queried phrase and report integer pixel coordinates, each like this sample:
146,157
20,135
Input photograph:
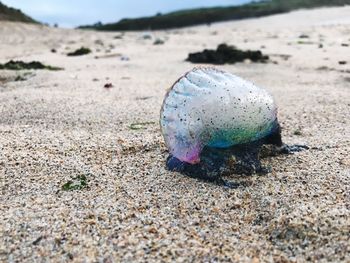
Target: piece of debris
124,58
53,50
108,86
80,52
282,56
304,36
20,65
76,183
37,241
146,36
143,98
109,56
297,132
305,42
20,78
344,45
342,62
226,54
158,41
140,125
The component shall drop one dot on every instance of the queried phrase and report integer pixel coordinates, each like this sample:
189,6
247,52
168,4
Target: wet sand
58,125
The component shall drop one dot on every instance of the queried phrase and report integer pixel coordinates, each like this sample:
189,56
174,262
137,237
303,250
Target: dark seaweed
20,65
79,52
225,54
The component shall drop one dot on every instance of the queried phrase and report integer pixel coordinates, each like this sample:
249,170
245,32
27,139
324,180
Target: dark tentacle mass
243,159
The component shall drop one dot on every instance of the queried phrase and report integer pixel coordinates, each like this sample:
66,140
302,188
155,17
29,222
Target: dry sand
55,126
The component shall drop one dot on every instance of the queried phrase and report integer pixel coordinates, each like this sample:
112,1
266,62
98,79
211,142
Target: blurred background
133,15
67,13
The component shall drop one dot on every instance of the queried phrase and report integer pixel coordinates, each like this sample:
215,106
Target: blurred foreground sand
55,126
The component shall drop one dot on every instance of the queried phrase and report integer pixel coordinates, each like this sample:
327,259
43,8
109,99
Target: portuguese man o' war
214,123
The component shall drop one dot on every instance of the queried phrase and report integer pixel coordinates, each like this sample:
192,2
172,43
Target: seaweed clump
77,183
225,54
20,65
80,52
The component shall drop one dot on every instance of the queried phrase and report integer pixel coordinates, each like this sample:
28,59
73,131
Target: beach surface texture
82,158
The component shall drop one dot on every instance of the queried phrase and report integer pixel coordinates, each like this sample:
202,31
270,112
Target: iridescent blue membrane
211,108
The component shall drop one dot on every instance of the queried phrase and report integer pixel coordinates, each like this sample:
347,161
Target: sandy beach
59,125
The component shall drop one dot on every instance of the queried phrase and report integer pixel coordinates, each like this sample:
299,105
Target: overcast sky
70,13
